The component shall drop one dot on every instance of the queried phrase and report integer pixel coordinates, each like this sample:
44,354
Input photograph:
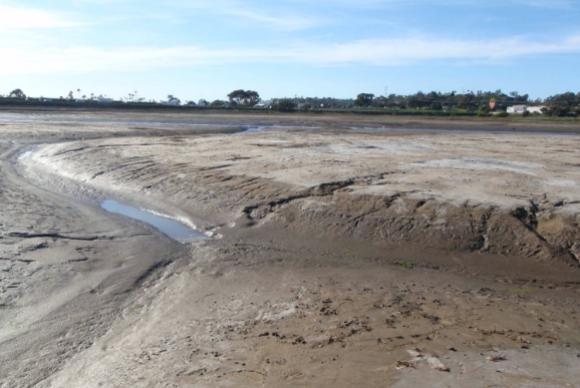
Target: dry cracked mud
346,251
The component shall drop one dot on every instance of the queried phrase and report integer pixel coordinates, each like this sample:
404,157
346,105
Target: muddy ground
346,251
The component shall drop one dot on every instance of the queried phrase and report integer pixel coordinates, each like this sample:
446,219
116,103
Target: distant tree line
565,104
432,103
468,103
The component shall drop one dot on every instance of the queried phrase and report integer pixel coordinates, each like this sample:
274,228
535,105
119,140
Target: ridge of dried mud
540,225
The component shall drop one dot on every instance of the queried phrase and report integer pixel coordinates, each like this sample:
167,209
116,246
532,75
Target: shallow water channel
168,226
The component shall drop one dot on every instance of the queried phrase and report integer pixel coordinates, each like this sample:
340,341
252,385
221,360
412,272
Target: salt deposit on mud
348,258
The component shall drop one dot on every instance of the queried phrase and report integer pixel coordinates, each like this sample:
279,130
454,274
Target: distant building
172,102
536,109
104,100
521,109
516,109
267,104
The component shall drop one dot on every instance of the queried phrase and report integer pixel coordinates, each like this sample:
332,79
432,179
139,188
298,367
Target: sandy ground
344,255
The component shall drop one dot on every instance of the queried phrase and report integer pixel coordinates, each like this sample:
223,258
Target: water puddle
255,129
168,226
382,129
24,155
262,128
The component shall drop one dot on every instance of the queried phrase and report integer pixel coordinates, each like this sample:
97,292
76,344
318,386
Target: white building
521,109
536,109
516,109
264,104
172,102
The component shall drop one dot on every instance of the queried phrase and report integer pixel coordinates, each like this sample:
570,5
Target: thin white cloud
377,52
277,17
552,4
383,4
401,51
23,18
285,22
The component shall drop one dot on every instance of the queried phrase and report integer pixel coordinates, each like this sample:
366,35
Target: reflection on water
104,119
166,225
262,128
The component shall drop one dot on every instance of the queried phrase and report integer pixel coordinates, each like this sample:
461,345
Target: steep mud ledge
535,231
365,207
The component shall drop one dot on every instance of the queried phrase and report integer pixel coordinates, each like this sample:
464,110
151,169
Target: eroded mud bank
406,189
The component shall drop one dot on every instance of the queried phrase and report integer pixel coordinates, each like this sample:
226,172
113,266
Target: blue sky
204,49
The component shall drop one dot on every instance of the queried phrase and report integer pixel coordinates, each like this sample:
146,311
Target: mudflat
342,251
